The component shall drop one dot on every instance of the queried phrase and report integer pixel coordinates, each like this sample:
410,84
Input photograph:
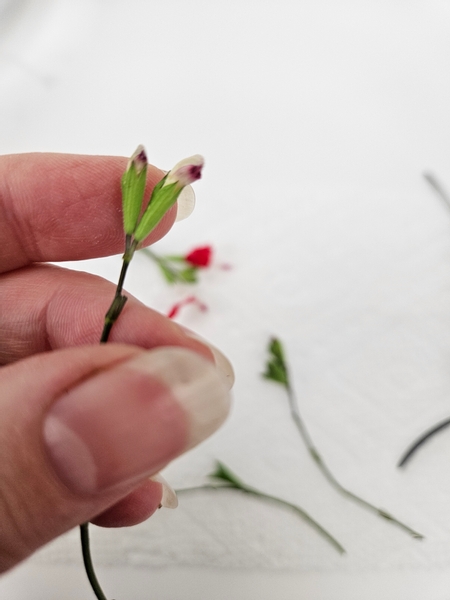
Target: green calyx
276,368
133,188
162,198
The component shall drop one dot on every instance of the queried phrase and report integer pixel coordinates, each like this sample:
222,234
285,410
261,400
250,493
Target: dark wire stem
426,435
110,318
295,413
269,498
407,455
119,299
438,188
88,565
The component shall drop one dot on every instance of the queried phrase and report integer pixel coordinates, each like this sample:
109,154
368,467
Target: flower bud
186,171
166,192
133,188
199,257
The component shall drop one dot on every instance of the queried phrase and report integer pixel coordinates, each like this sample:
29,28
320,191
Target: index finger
57,207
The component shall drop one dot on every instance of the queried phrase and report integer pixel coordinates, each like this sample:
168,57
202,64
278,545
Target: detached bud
199,257
166,192
133,188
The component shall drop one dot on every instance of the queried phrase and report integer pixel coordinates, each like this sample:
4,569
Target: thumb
82,427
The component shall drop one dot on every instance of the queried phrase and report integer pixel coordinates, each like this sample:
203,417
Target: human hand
84,425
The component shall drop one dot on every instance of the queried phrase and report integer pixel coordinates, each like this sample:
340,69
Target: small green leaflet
276,368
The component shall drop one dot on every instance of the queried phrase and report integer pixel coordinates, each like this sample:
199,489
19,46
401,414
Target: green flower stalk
138,222
225,479
277,370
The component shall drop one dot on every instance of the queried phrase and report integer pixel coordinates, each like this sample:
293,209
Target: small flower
166,192
138,160
186,171
133,188
199,257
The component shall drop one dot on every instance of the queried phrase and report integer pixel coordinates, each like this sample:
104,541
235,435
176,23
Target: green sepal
133,188
276,368
163,198
188,275
223,473
169,274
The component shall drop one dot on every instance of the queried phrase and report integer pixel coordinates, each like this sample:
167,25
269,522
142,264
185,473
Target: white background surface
317,120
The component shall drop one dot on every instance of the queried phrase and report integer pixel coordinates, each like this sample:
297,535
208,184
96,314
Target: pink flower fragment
173,312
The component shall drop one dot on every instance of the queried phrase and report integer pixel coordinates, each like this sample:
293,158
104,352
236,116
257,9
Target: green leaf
170,276
188,275
223,473
133,188
163,198
276,368
276,349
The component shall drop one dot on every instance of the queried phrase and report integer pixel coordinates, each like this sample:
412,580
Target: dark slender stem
411,450
407,455
295,413
438,188
119,299
84,533
258,494
110,318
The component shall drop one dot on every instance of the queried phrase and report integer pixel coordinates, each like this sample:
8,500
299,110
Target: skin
55,208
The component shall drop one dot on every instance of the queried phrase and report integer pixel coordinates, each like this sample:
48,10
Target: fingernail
185,203
222,362
169,497
128,422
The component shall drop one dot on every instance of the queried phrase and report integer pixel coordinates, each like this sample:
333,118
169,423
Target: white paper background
317,120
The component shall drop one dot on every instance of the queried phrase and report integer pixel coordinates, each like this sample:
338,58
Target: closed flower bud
186,171
166,192
133,188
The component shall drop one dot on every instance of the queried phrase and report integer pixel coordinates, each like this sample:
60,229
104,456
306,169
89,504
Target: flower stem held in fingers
138,222
277,370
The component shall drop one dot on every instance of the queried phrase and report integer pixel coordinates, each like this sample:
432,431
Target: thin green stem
263,496
163,263
88,565
296,417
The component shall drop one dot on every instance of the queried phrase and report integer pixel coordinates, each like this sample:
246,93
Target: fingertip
135,508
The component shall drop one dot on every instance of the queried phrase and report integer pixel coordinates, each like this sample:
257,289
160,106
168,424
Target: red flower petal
189,300
199,257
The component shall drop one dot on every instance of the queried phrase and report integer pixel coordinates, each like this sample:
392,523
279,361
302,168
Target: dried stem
312,449
88,565
420,441
110,318
262,496
426,435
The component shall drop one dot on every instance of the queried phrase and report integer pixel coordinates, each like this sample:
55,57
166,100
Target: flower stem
296,417
119,299
438,188
110,318
167,269
407,455
426,435
261,495
88,565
